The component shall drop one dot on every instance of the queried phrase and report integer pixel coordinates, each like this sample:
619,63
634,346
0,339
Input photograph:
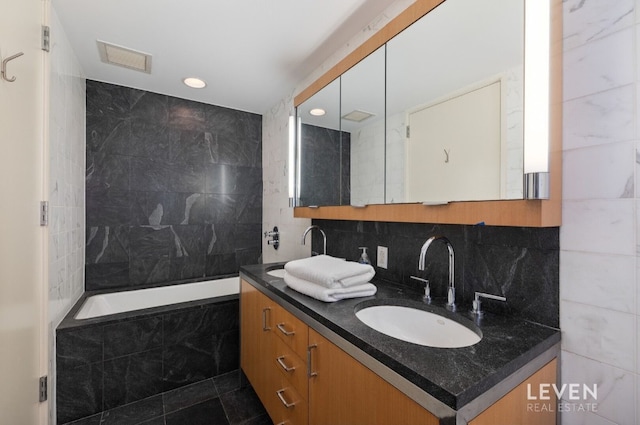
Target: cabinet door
256,322
515,408
343,391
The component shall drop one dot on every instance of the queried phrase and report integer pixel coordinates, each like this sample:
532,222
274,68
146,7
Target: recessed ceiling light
195,83
317,112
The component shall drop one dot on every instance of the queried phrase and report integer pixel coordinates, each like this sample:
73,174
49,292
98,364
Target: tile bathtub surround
173,188
521,264
107,365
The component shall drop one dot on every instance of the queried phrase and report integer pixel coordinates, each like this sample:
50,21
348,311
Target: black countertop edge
70,322
454,397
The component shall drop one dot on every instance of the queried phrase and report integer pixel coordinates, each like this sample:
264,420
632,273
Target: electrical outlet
383,256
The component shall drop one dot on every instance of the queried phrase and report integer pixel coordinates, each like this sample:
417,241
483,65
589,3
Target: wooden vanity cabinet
271,340
343,391
303,378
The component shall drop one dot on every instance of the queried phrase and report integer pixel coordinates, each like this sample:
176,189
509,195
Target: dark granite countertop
454,376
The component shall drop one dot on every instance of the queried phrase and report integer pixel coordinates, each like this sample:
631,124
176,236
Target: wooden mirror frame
521,213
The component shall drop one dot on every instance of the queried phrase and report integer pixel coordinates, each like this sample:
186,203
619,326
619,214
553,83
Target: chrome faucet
451,290
324,237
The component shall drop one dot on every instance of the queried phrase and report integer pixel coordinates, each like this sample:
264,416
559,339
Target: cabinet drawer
292,408
291,330
291,366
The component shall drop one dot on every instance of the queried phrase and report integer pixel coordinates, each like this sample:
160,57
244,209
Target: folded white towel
330,272
328,294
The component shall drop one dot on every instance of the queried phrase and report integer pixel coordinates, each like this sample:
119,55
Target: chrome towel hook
3,71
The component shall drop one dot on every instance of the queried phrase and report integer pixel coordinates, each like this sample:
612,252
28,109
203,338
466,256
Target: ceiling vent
124,57
357,115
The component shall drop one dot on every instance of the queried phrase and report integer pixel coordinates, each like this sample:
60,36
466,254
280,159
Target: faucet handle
427,289
477,303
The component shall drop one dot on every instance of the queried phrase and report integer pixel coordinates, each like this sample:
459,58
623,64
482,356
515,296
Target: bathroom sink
276,273
419,326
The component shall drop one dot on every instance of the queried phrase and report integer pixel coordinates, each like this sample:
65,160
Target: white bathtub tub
120,302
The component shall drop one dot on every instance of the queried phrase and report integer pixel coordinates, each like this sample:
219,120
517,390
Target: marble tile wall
108,365
66,185
174,188
518,263
599,238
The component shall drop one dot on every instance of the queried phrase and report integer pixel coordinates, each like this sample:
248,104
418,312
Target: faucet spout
451,290
324,237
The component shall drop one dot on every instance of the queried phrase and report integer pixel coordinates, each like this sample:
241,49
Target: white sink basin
276,273
418,326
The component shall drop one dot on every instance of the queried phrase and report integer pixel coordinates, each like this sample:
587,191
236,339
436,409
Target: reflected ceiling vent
124,57
357,115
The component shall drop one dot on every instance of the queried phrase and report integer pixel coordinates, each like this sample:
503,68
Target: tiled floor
225,400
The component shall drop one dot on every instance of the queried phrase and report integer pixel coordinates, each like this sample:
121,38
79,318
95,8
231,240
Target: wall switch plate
383,256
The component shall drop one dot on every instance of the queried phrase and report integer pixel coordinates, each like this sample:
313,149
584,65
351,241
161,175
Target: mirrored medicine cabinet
425,122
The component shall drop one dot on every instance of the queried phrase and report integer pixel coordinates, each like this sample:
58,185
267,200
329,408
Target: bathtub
120,302
120,347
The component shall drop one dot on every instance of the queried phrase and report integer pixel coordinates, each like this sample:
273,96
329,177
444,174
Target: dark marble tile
190,325
149,106
167,208
132,378
237,135
190,267
135,413
106,171
226,352
242,405
185,177
209,412
152,242
160,420
189,362
189,147
188,241
150,140
131,337
79,347
221,264
149,270
259,420
189,395
107,99
105,276
90,420
108,208
150,174
228,382
78,392
107,244
187,115
227,179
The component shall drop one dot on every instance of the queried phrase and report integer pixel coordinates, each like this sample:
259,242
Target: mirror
445,99
362,118
454,104
322,153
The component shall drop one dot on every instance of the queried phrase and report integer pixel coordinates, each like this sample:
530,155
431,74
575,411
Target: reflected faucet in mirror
451,290
324,238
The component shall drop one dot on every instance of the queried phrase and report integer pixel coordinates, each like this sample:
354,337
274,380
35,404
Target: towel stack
329,279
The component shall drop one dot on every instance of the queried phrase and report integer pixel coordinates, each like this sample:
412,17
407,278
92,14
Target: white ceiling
251,53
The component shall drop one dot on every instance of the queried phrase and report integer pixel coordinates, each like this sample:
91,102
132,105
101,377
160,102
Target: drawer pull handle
281,397
280,361
284,331
310,372
264,319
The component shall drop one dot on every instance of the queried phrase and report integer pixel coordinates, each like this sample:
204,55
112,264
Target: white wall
66,185
600,238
